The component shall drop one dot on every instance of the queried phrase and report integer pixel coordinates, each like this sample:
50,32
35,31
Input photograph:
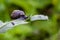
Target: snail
18,15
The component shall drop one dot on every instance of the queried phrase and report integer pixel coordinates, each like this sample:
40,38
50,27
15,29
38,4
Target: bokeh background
34,30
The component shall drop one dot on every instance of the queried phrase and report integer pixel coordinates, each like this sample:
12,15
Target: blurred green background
48,30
